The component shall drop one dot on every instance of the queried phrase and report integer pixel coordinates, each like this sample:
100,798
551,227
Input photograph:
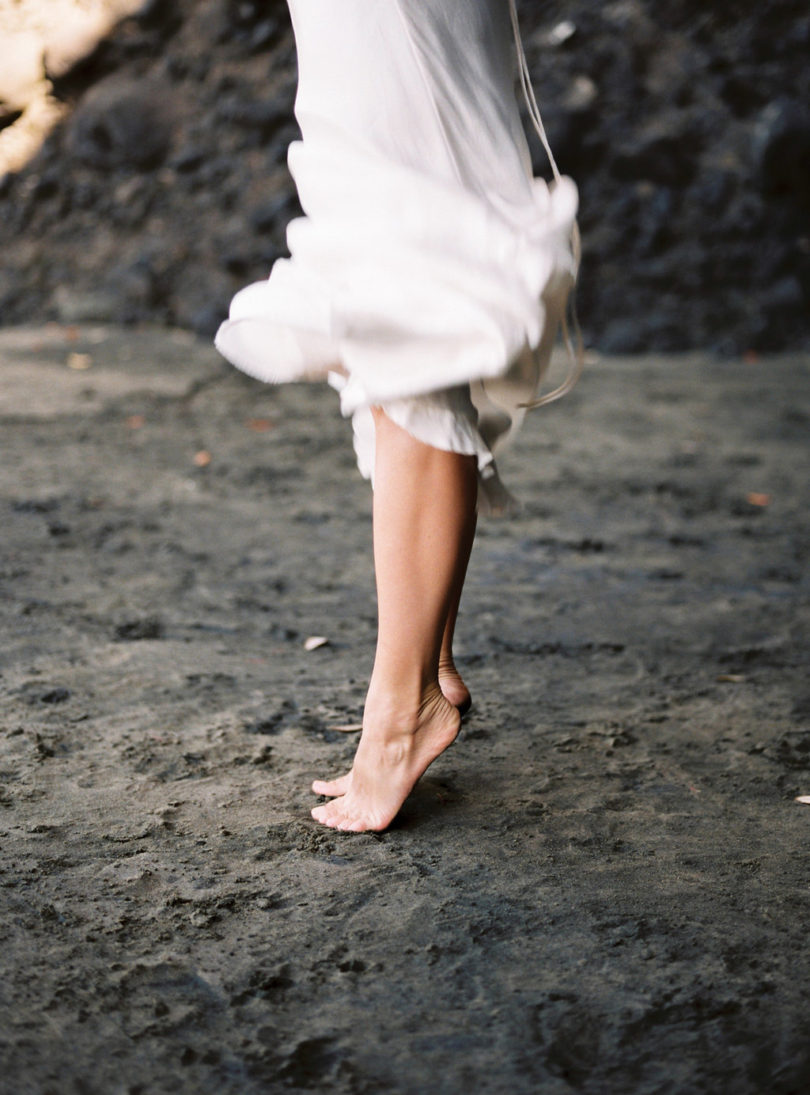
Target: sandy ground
602,887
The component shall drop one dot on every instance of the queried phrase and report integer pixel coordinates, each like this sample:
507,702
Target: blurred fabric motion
143,161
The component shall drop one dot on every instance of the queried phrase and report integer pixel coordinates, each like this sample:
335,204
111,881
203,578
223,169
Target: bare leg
424,505
453,687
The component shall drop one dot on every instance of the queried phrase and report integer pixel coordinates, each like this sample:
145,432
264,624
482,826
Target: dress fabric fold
429,271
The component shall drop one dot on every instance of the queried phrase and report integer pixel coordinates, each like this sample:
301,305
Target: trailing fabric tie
573,344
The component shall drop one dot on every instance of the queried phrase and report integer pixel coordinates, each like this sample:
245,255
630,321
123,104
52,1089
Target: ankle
401,712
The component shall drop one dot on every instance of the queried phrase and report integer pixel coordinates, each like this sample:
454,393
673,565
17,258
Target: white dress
429,271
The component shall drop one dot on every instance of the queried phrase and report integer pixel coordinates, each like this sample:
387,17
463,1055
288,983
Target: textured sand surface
603,887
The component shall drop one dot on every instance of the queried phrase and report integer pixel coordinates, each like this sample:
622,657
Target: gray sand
602,887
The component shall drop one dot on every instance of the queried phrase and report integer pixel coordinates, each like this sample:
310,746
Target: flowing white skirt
429,272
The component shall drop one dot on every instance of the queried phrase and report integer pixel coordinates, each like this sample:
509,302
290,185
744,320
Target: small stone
79,362
263,755
151,627
581,95
55,695
122,123
560,33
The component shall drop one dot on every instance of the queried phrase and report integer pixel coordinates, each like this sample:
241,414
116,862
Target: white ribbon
573,345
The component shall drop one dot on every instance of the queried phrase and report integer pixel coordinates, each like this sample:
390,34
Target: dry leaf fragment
348,728
79,361
315,641
757,498
731,678
135,421
202,458
259,425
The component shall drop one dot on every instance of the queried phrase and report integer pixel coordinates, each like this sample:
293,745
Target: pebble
122,123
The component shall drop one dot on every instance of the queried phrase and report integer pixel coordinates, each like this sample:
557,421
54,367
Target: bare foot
394,751
453,687
454,690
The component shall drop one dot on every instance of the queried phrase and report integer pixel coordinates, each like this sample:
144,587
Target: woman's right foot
454,690
394,751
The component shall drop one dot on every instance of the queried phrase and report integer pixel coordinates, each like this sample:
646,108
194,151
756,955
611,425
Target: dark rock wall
686,126
691,145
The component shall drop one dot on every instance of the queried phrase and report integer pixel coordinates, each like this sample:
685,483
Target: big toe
333,815
323,814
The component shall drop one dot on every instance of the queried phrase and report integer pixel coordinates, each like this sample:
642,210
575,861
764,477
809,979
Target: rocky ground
601,888
163,187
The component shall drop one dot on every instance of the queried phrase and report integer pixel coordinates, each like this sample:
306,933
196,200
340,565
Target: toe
323,814
329,814
331,787
338,814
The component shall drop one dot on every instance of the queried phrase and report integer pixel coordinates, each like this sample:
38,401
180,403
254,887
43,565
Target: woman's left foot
454,688
394,752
